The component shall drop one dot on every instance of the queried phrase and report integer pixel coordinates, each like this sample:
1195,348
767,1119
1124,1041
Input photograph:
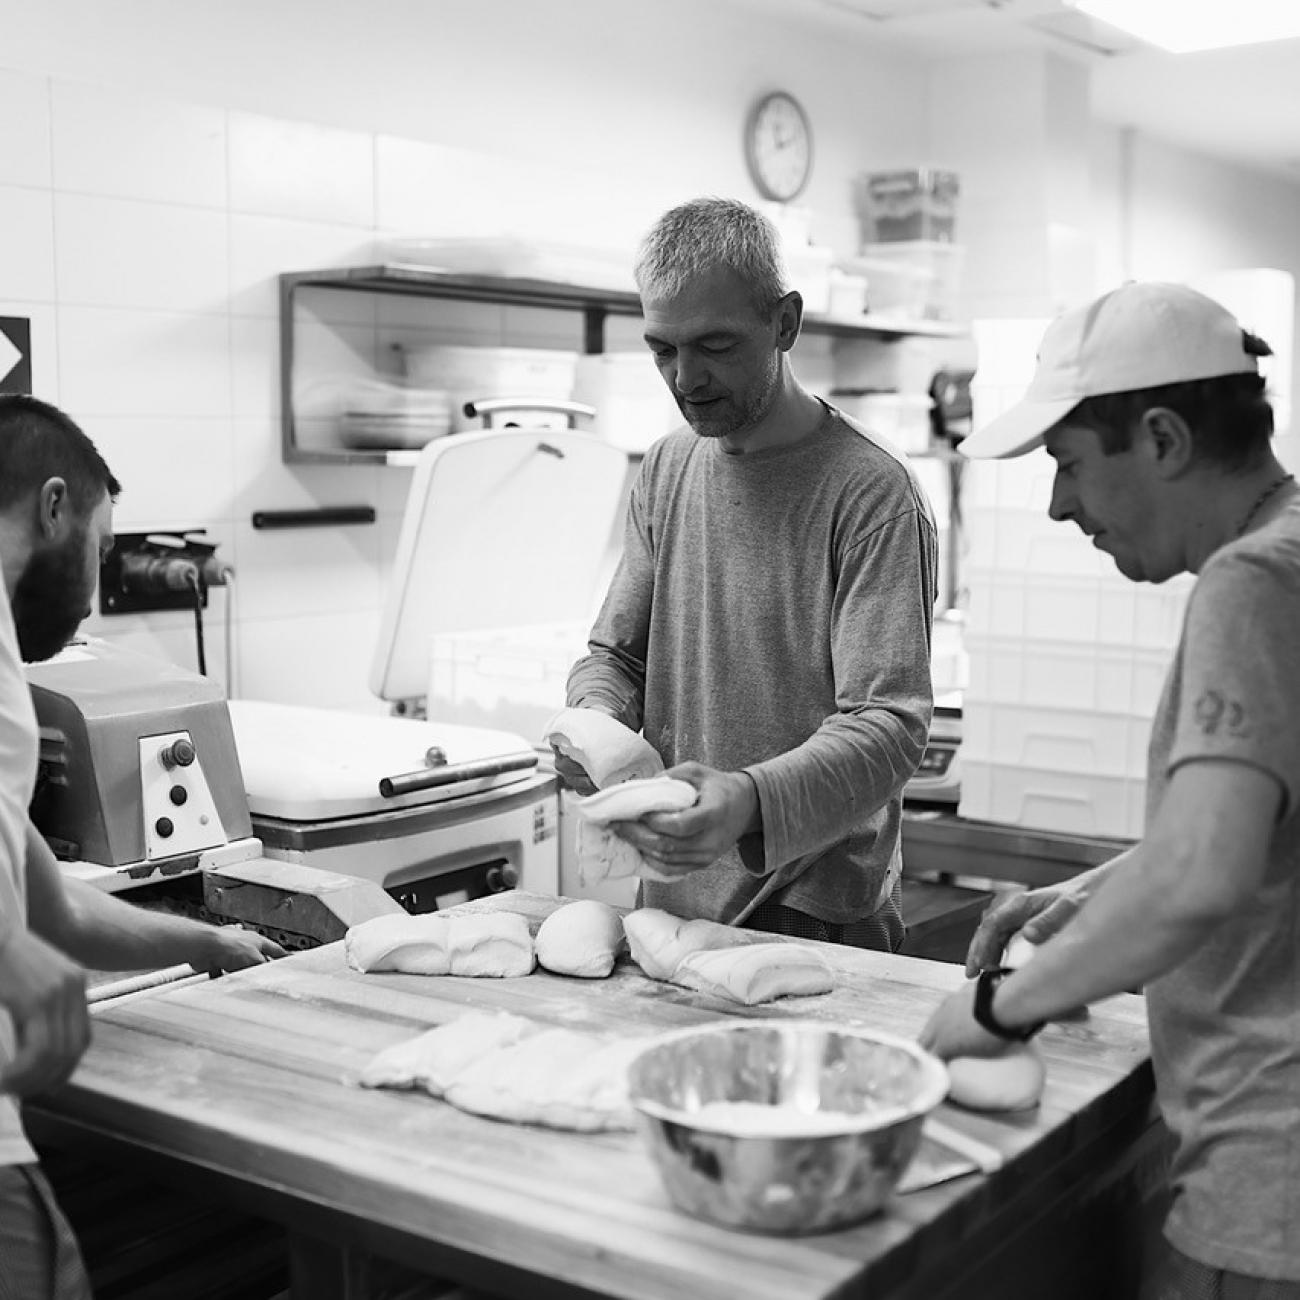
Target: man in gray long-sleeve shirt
768,627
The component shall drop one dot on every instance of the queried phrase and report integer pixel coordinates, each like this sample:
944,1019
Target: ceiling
1241,104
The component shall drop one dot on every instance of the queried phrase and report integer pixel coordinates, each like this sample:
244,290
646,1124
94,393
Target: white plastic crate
1006,538
1073,609
1040,799
511,679
1057,740
1099,679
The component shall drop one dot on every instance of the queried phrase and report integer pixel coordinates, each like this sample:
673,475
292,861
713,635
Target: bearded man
56,521
768,627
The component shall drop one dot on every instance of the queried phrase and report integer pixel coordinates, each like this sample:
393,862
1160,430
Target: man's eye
716,349
662,354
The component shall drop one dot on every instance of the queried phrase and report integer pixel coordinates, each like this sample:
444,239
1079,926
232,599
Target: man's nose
690,374
1062,505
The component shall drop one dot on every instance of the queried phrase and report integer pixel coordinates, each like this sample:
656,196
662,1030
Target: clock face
778,146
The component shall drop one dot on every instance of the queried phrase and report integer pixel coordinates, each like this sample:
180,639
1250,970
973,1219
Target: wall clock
778,146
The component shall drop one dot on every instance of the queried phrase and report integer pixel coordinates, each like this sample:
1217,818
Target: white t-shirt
18,755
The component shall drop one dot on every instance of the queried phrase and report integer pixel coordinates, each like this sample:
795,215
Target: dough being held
757,972
659,941
495,944
1012,1080
582,938
607,751
602,855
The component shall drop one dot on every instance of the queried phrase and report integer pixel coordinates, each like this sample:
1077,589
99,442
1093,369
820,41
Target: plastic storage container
910,203
1042,799
472,373
919,278
632,403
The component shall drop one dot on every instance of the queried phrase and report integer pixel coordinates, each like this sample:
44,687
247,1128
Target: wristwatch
983,1010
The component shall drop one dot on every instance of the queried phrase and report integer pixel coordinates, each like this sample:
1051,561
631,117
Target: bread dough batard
416,945
558,1078
603,855
582,938
1012,1081
659,941
495,944
758,972
435,1057
629,800
608,751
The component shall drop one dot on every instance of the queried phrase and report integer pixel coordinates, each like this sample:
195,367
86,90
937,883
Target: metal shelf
596,305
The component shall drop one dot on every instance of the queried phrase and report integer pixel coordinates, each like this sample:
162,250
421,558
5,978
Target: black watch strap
985,985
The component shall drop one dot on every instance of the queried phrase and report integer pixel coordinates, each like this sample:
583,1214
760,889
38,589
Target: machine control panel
180,815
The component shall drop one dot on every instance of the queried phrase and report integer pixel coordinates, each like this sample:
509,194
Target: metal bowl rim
933,1088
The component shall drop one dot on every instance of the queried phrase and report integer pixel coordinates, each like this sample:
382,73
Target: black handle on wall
321,518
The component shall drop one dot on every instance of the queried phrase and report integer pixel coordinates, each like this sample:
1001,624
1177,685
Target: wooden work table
244,1087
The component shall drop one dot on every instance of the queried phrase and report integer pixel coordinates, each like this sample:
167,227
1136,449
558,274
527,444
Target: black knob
501,876
180,753
178,794
164,827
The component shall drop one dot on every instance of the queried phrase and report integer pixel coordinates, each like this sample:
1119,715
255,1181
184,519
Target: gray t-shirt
1225,1025
772,613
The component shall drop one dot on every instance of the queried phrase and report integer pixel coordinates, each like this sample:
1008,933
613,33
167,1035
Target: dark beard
50,599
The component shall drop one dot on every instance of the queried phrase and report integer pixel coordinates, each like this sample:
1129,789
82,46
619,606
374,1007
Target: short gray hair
694,237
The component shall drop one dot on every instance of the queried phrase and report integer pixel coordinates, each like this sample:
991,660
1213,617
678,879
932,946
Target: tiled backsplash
144,237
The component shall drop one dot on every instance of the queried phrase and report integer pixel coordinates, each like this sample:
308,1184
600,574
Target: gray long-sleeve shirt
772,613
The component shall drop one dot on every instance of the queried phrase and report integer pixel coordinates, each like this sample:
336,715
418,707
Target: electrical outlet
153,571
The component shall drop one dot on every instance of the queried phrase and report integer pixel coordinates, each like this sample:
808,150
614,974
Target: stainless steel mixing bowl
842,1118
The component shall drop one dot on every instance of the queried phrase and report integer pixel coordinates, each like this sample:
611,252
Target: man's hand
677,843
1037,914
230,947
573,776
953,1030
45,994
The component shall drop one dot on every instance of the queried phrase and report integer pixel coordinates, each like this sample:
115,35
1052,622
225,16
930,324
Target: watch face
778,146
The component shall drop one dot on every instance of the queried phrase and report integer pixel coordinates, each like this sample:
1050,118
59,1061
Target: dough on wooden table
495,944
757,972
558,1078
433,1059
608,751
1011,1081
582,938
658,941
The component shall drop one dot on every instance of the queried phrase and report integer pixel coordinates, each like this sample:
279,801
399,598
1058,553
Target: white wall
160,164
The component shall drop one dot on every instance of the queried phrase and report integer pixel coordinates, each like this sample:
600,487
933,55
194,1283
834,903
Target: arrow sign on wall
15,354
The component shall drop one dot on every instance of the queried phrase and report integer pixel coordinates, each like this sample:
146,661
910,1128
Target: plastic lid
503,528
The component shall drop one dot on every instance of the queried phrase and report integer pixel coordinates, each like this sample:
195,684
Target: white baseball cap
1141,335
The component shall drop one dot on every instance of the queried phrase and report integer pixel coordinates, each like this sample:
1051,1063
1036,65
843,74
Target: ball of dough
1012,1081
582,938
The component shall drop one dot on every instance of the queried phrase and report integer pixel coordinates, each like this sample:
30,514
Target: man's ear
53,510
1168,440
789,319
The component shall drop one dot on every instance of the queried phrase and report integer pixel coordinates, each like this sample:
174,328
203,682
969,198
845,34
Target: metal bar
429,778
320,518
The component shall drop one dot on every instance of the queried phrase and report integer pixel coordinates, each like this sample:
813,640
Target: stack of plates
387,418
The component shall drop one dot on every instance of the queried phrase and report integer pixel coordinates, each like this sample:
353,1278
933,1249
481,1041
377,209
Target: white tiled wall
143,237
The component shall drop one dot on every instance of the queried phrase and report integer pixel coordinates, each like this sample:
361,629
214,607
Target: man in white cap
1150,402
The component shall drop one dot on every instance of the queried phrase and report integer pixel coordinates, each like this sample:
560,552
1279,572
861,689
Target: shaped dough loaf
757,972
582,938
1012,1081
608,751
496,944
659,941
436,1057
